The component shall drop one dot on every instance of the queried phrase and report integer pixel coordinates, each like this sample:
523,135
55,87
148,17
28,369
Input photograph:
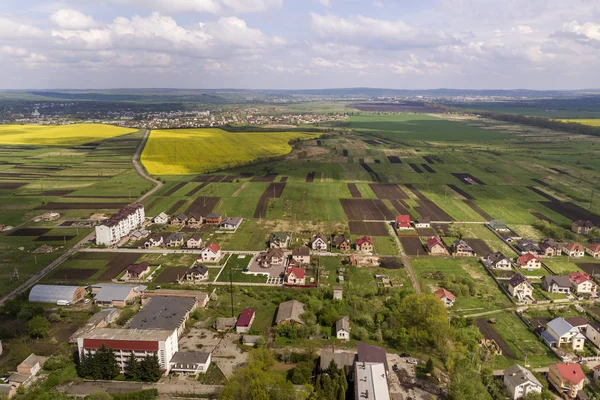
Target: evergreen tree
105,364
133,369
83,365
150,369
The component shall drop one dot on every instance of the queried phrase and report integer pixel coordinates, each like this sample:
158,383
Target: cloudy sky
294,44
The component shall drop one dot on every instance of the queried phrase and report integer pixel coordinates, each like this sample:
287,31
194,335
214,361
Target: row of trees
103,365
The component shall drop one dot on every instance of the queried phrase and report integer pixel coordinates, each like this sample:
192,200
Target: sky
300,44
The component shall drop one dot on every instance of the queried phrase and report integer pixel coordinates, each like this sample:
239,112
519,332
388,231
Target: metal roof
163,313
52,293
560,326
114,292
189,357
518,375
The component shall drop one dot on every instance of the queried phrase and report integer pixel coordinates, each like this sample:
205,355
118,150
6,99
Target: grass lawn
562,266
233,270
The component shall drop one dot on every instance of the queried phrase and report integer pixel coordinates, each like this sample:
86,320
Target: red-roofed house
403,222
567,379
573,250
593,250
365,243
529,261
445,296
244,322
582,283
435,246
212,252
295,276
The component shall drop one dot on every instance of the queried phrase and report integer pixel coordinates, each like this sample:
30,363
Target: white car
411,361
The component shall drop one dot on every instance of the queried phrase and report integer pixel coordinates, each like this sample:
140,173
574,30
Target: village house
549,248
593,250
137,271
212,252
190,362
364,244
194,242
161,219
497,260
271,258
567,379
582,227
213,219
197,273
245,320
180,219
194,220
529,261
342,328
231,223
403,222
423,222
295,276
338,292
527,246
498,225
560,334
460,248
280,240
50,216
574,250
556,284
174,240
341,242
445,296
579,322
223,324
582,283
289,312
435,246
520,382
318,242
519,287
154,241
301,255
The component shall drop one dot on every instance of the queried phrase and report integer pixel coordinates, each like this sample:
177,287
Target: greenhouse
56,294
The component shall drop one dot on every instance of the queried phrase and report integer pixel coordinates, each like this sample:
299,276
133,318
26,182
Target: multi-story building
567,379
142,342
120,224
520,382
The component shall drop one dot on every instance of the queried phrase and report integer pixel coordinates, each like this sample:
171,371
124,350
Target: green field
62,135
190,151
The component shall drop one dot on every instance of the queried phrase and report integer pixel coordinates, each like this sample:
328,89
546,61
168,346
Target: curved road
62,258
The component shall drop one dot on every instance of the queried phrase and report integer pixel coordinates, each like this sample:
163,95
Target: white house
212,252
154,241
520,287
194,242
582,283
189,362
231,223
560,333
592,333
301,255
295,276
319,242
445,296
120,224
497,260
342,328
197,273
520,382
161,218
423,222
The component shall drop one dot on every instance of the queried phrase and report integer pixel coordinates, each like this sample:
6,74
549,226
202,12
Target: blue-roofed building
56,294
116,295
560,333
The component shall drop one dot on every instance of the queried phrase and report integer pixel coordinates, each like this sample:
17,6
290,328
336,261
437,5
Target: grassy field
189,151
63,135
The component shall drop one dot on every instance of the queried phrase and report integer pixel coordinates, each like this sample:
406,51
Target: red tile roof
579,277
594,247
525,258
213,247
433,241
364,239
245,317
441,293
298,272
403,220
573,246
571,372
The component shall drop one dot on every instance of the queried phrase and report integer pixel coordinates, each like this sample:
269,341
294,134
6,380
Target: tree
99,396
104,364
38,326
150,368
426,320
133,369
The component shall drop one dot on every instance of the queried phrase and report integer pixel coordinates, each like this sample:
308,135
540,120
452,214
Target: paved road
172,386
142,171
54,264
405,261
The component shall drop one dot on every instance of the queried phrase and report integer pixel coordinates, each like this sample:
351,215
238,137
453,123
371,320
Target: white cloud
586,31
377,33
29,59
10,29
204,6
72,19
523,29
325,3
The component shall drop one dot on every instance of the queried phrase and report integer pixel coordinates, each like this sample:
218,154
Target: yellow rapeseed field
191,151
63,135
591,122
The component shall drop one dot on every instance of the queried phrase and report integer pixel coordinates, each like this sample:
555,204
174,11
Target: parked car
411,361
395,367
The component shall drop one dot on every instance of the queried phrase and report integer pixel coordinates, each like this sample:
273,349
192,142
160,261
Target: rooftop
571,372
189,357
163,313
371,381
369,353
108,292
290,310
560,326
128,334
518,375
